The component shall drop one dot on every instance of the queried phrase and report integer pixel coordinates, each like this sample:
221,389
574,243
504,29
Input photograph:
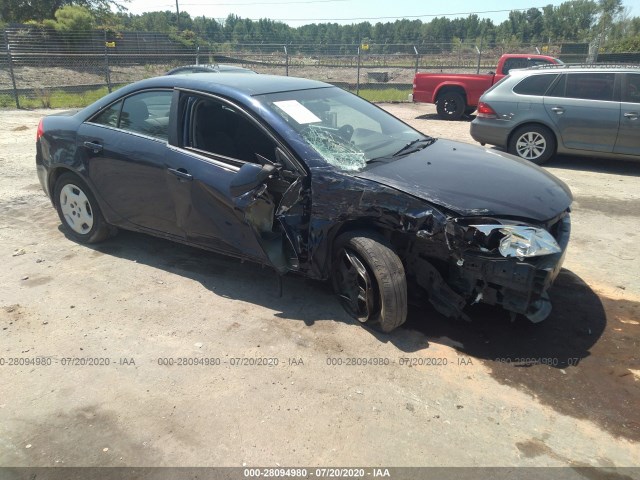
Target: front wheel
450,105
370,280
533,142
78,210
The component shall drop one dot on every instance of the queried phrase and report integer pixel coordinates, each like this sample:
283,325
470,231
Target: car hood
471,181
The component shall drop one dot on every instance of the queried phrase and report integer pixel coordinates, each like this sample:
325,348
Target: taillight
40,131
485,111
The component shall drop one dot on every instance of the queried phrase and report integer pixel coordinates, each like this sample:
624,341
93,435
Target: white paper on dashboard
297,111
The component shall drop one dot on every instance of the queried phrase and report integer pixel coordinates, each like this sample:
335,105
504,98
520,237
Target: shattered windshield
348,132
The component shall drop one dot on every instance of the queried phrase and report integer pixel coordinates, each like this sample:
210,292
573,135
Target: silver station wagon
576,110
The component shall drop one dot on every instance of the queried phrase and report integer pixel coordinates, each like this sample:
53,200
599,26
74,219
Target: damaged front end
494,261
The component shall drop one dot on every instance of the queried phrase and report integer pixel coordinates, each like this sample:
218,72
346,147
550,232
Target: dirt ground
439,392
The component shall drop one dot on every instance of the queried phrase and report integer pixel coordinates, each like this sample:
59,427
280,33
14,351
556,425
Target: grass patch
51,98
60,99
385,95
7,101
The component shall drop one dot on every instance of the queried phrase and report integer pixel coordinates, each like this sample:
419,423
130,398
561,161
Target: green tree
535,23
628,44
19,11
71,18
576,20
608,11
240,33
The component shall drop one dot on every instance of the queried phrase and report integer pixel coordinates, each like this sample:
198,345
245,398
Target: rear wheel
533,142
79,211
450,105
370,280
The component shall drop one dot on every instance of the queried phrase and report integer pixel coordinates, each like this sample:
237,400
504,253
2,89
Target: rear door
628,141
124,150
585,108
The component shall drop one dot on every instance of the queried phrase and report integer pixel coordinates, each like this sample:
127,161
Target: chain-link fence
47,68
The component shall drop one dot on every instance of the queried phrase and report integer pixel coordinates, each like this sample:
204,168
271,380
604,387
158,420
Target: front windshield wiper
414,146
411,147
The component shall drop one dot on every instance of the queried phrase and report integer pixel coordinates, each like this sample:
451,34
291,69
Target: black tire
79,211
450,105
534,143
469,110
385,304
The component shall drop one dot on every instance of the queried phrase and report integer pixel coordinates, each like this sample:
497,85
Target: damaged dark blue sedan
304,177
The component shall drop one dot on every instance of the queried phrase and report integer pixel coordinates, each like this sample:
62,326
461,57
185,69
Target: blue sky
300,12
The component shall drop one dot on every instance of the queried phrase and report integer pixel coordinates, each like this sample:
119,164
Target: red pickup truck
456,94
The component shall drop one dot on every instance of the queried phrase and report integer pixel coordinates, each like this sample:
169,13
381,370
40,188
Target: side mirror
249,177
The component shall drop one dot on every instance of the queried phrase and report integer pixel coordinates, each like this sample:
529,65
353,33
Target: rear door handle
632,115
181,173
95,146
558,110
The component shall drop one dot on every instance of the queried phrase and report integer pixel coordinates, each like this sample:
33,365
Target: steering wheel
346,131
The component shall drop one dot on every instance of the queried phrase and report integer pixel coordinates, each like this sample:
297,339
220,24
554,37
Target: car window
348,132
632,88
217,128
147,113
590,85
534,84
109,116
558,88
184,70
513,63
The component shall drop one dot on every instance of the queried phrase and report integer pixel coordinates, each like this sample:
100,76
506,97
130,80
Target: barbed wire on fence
41,67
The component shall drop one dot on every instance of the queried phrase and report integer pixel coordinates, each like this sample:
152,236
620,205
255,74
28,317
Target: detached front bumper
518,286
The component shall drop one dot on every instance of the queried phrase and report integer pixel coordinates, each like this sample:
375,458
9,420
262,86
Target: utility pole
178,16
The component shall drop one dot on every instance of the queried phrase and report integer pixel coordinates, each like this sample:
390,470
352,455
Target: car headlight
521,241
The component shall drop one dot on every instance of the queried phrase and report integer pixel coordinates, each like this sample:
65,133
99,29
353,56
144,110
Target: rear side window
557,90
147,113
632,88
590,85
535,85
109,116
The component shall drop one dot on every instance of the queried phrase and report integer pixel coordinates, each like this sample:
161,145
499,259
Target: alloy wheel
531,145
355,286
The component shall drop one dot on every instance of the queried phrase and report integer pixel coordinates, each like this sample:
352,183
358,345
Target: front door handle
632,115
95,146
558,110
181,173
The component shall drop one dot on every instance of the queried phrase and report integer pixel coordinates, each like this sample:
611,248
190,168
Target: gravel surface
465,401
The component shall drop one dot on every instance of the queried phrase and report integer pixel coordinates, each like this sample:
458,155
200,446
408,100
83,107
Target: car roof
233,68
569,68
214,68
238,86
238,83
